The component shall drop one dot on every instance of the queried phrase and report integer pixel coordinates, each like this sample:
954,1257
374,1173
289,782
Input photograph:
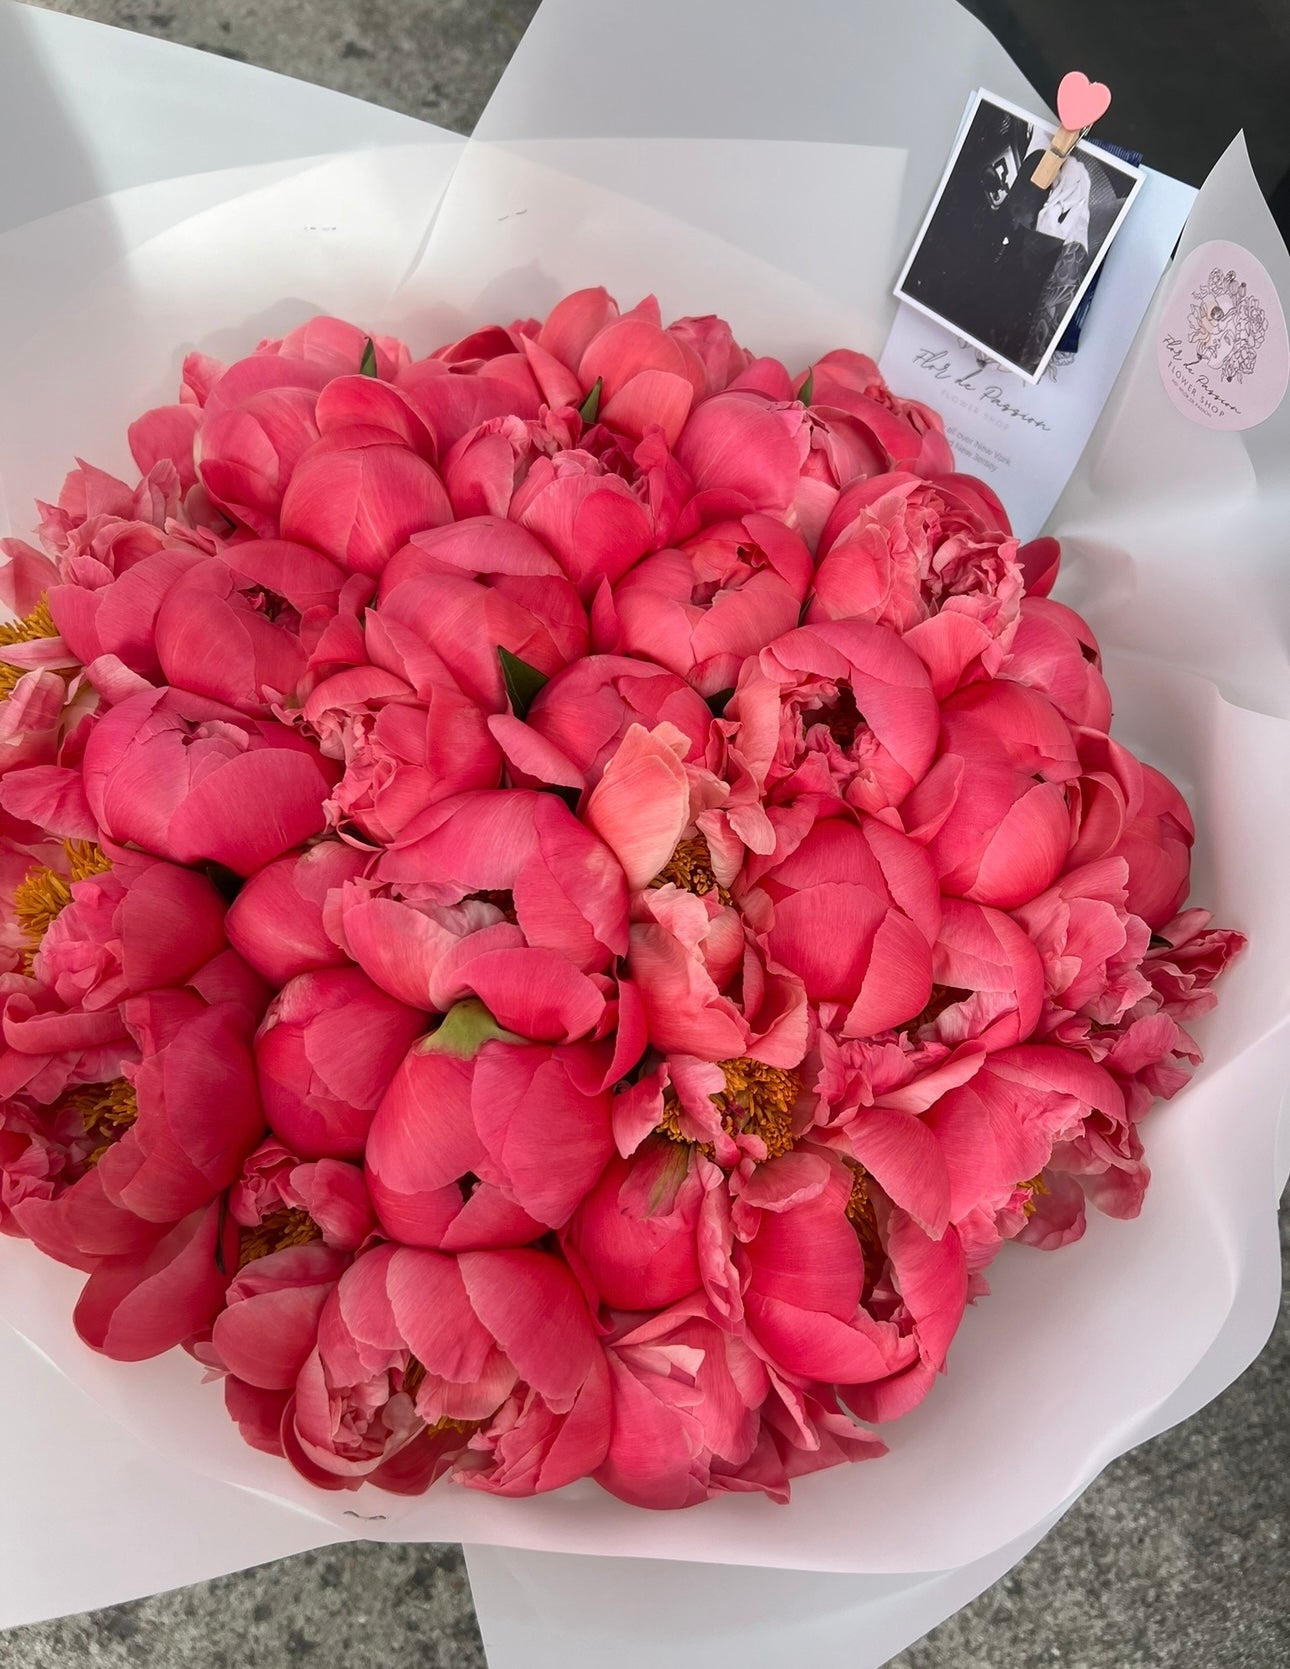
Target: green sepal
589,410
464,1030
522,681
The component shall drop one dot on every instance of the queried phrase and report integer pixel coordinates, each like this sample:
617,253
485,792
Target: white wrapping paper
768,163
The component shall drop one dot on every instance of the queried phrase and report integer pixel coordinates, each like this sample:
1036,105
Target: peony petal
640,806
531,1305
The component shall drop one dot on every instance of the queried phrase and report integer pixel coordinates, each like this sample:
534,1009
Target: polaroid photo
1001,262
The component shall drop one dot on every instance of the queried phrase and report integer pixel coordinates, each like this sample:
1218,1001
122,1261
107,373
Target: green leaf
367,365
464,1030
522,681
589,410
717,703
807,389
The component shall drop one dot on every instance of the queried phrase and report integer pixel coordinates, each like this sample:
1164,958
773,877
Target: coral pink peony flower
745,453
268,1326
988,978
712,340
414,1345
31,721
1001,1127
528,1447
336,346
402,747
219,638
282,1200
578,720
841,713
910,435
648,375
993,811
1091,946
139,1305
529,1121
806,1271
854,913
464,620
706,988
1053,651
588,518
167,435
258,424
277,922
637,1232
489,876
923,1297
158,1141
322,1081
184,778
358,506
543,1116
1156,845
893,549
422,1144
118,617
424,1150
664,819
102,525
115,936
703,609
686,1397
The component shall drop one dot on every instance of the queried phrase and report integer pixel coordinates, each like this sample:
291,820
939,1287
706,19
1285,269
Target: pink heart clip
1080,101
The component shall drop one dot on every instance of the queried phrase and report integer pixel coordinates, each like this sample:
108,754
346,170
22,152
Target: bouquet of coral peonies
561,901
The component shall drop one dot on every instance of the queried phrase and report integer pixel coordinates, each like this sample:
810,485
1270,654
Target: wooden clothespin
1079,104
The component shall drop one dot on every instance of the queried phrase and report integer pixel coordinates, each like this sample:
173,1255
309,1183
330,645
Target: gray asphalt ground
1176,1558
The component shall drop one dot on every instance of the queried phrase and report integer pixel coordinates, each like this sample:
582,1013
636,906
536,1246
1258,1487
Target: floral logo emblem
1227,326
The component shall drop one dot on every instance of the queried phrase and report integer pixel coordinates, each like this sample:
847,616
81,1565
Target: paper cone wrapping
770,164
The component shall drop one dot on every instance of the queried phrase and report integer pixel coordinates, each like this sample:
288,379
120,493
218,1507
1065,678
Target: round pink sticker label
1222,349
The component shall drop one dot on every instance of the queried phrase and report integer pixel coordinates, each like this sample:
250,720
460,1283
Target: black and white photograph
1002,262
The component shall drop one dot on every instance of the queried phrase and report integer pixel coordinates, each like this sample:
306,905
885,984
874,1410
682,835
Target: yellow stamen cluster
690,869
85,858
43,893
106,1112
280,1229
39,623
465,1427
670,1123
1033,1186
413,1379
758,1100
861,1216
